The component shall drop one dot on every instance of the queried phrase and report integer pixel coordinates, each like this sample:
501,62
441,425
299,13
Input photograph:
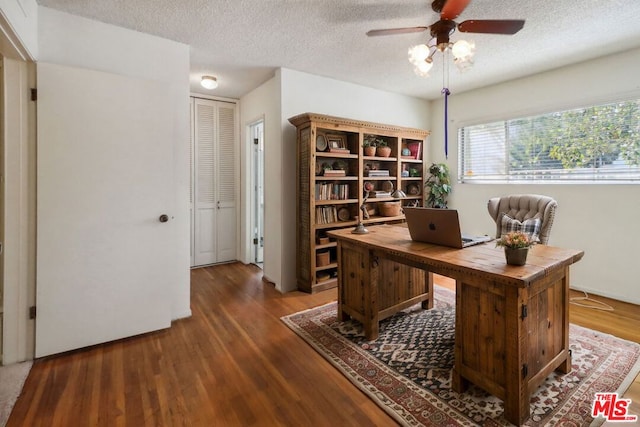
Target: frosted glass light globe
209,82
463,49
418,53
422,69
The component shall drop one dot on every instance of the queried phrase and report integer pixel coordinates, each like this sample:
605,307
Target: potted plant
439,186
383,149
369,148
516,246
369,144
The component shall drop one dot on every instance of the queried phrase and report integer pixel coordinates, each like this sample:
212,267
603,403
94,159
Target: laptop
440,227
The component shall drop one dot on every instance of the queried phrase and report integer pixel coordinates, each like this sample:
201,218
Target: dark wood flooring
233,363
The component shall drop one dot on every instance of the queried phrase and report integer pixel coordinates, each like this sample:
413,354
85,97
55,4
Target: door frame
257,190
193,188
17,218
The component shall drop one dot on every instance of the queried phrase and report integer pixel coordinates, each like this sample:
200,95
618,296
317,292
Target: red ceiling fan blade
391,31
491,26
453,8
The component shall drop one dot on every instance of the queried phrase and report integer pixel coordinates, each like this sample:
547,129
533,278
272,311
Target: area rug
12,378
407,370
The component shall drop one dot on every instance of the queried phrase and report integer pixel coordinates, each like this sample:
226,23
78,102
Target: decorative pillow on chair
530,226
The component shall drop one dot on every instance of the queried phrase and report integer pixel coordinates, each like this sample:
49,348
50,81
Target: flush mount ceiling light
209,82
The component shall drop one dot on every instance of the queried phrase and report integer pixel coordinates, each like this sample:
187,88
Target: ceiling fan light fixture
463,50
209,82
418,54
422,68
463,65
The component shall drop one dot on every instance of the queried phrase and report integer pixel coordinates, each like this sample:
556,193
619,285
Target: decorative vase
370,151
383,151
516,256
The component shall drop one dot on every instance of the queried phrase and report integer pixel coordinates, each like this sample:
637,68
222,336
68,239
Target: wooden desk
512,323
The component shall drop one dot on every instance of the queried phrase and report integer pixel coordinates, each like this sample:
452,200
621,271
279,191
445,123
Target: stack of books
334,172
377,172
379,194
339,150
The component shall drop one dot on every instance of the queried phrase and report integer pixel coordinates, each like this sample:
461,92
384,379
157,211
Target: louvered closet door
215,189
226,184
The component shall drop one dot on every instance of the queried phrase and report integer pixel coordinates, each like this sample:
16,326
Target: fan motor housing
441,31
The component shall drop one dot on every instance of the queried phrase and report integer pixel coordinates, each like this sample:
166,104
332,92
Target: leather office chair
522,207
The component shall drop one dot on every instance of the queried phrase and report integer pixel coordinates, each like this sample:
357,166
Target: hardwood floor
233,363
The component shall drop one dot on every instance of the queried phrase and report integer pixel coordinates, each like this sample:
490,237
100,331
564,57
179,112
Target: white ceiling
243,42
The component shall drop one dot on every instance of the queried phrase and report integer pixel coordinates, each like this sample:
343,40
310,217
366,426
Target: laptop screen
437,226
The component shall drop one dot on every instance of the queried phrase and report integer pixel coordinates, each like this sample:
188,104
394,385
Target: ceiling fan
442,29
422,55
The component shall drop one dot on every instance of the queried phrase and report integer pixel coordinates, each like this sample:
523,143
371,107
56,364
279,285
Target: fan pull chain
446,93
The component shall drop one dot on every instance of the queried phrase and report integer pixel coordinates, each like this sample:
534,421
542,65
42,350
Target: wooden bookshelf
330,200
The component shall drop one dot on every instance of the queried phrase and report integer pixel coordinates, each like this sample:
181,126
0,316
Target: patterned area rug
407,370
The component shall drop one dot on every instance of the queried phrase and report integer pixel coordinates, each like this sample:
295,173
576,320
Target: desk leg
342,316
458,383
371,327
517,408
565,367
516,331
428,288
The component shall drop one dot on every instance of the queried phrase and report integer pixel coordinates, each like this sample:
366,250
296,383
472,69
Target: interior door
205,195
215,191
226,227
104,258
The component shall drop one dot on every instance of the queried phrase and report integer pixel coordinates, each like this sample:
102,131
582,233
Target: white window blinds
598,143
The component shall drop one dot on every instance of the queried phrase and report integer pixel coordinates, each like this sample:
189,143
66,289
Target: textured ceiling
242,42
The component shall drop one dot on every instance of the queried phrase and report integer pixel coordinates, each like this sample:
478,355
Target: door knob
164,218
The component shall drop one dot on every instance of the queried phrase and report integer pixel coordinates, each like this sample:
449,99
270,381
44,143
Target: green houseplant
383,149
369,144
438,185
374,145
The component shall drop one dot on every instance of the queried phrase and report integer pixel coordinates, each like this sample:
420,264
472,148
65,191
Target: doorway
256,141
2,201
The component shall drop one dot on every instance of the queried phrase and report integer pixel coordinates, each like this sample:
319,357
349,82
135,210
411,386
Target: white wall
600,219
287,94
69,40
263,102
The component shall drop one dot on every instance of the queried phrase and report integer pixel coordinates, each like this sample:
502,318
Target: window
598,143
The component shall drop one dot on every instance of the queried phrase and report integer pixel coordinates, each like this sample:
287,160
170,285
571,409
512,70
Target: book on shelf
326,214
377,172
334,172
331,191
339,150
379,194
